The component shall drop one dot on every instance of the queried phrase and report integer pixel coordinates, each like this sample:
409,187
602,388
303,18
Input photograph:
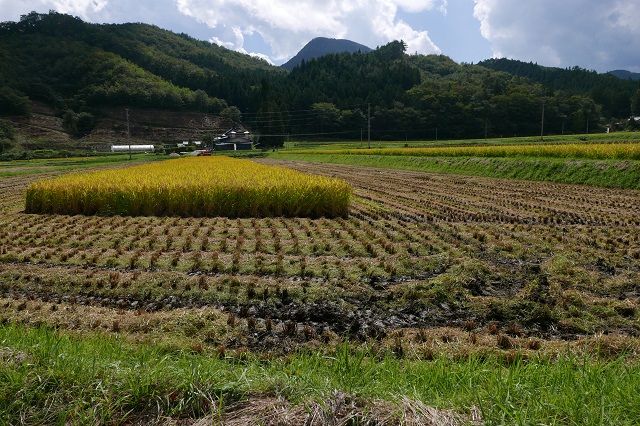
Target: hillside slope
67,63
606,89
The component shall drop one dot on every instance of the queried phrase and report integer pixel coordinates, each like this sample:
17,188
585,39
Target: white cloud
228,44
593,34
234,40
79,7
443,7
286,26
262,56
415,6
84,8
417,41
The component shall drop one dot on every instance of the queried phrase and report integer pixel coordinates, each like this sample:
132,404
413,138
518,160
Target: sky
601,35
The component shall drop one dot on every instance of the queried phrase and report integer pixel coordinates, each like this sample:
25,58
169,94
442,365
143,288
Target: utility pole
128,133
369,126
542,123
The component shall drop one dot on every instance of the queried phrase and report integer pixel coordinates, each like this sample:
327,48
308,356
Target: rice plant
593,151
211,186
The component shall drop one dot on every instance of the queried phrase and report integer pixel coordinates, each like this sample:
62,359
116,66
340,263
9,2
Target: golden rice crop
195,186
600,151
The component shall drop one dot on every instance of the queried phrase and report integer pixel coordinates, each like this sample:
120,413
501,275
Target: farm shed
134,148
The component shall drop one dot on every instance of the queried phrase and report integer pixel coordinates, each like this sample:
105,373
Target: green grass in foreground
51,378
608,173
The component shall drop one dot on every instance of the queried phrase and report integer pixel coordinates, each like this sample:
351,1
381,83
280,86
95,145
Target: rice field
593,151
417,250
196,186
429,275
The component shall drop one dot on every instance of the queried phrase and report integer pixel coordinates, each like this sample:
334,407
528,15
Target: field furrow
417,251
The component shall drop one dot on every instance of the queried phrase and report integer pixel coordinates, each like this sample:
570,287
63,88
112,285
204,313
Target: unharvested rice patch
196,186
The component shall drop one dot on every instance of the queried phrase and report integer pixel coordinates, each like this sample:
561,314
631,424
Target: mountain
612,93
625,75
68,80
64,80
321,46
70,64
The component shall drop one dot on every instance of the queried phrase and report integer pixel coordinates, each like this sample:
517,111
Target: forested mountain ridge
606,89
60,59
80,69
428,97
625,75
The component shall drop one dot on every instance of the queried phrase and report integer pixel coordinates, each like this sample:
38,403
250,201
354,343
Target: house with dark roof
234,139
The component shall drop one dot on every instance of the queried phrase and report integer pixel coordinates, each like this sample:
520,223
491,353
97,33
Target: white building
134,148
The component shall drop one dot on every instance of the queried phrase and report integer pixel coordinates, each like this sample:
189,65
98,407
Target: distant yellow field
195,186
600,151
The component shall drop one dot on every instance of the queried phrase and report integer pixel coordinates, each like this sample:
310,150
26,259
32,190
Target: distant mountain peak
321,46
625,75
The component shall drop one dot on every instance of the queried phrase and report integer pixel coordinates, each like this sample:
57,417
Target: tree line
432,97
78,68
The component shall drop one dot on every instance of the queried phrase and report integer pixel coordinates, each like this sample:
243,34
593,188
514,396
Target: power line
295,111
342,132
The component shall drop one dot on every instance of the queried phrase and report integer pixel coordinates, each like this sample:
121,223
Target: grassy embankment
618,137
37,166
611,161
53,378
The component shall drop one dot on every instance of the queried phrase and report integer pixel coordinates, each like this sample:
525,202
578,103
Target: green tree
326,116
6,130
353,121
13,102
70,121
85,123
209,139
269,123
392,51
201,100
635,104
232,113
78,124
7,134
